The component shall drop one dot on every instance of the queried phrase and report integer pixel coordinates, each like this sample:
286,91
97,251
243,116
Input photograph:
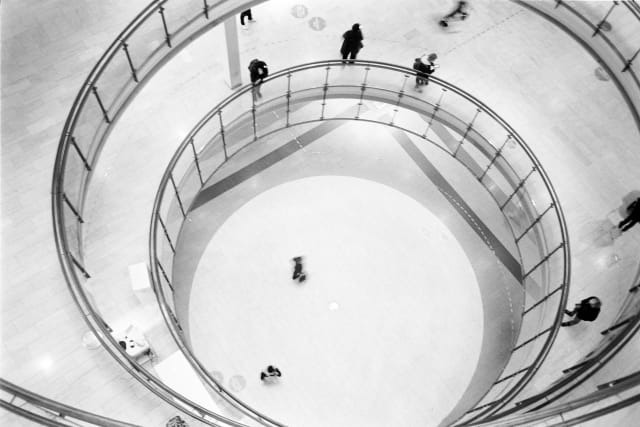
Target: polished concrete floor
532,74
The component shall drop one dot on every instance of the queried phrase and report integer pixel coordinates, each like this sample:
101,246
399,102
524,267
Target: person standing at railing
352,43
424,69
587,309
258,72
633,216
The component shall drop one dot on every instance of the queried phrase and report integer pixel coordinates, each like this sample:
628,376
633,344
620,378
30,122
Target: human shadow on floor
603,232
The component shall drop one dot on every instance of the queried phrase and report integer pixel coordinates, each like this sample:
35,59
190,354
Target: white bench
139,274
141,283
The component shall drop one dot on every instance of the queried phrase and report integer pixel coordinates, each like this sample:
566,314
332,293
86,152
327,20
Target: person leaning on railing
258,71
352,43
424,68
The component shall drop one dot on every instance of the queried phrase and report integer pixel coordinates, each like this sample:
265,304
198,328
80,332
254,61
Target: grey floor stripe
456,201
270,159
414,153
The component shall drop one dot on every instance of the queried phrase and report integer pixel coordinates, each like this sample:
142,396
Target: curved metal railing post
398,103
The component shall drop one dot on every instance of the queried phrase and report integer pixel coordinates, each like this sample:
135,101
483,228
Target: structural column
233,52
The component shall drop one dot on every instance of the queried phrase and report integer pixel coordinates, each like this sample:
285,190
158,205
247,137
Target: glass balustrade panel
72,232
148,38
88,129
497,390
209,147
238,122
74,174
625,29
464,111
187,177
179,14
114,82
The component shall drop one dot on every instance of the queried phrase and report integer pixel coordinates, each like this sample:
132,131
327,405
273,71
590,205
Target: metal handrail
578,375
60,409
633,6
580,420
635,110
630,382
156,279
92,318
68,262
582,371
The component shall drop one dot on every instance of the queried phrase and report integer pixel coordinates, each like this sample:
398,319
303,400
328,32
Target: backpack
264,71
259,67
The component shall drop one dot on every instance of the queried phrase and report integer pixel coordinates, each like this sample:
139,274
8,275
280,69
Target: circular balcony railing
155,35
491,151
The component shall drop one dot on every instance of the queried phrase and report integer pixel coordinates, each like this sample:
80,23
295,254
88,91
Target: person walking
298,270
633,216
461,9
587,309
258,72
245,14
424,70
271,374
352,43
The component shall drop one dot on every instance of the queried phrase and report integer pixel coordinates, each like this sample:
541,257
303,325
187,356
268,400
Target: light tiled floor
529,72
47,51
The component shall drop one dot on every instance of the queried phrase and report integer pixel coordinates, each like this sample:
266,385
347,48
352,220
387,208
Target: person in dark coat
270,374
258,72
423,70
461,9
633,217
587,309
352,43
245,14
298,270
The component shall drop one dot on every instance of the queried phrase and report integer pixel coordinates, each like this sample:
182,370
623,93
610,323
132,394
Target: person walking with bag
424,70
633,216
587,309
352,43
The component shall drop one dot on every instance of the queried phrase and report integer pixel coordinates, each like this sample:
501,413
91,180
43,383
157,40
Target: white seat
139,274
